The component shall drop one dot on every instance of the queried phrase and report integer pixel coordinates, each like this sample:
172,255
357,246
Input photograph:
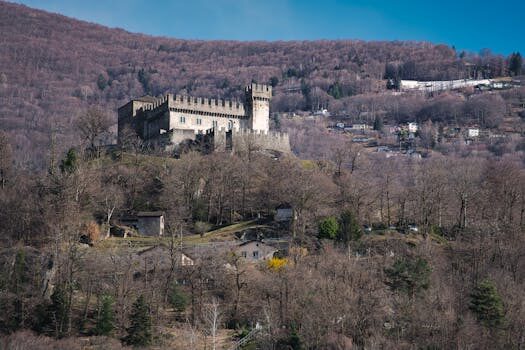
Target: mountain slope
52,68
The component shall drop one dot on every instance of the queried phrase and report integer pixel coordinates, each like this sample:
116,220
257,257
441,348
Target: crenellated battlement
258,91
206,105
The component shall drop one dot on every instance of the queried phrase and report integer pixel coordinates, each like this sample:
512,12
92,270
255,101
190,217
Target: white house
473,132
412,127
255,251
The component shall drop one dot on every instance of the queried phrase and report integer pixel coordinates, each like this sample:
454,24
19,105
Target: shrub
328,228
277,264
202,227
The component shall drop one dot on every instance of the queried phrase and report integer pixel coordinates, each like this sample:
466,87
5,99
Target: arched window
230,124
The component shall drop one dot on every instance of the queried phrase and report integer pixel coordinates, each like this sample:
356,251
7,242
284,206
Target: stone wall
244,139
251,139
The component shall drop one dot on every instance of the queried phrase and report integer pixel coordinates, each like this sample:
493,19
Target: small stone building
283,213
150,223
147,223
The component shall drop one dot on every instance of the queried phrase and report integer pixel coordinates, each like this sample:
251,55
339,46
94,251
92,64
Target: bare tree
93,127
212,317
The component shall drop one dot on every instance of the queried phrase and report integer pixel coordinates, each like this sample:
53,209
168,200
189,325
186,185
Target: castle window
183,120
199,121
230,124
214,123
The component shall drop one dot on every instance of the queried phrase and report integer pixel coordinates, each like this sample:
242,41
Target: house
360,127
322,112
283,213
255,251
412,127
147,223
472,132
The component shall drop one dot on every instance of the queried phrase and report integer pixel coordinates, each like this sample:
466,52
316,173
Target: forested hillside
410,239
52,68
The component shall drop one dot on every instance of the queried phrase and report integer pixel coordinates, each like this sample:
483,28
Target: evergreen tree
486,303
101,82
378,123
274,81
515,63
6,159
335,91
70,163
349,228
177,298
328,228
19,279
140,330
58,311
409,275
295,341
106,317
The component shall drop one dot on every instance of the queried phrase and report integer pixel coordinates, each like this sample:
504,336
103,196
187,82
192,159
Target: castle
221,125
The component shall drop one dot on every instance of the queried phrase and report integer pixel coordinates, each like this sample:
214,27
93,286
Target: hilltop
52,68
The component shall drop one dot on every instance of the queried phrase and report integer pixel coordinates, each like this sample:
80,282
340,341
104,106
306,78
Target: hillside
52,68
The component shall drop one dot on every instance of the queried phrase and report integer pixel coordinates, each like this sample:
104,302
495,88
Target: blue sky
470,25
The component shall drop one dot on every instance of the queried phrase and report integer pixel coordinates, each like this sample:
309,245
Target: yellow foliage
93,231
277,264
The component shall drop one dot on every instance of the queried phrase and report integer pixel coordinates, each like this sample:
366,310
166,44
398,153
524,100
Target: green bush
328,228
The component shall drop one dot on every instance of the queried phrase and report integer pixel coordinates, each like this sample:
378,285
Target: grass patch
225,233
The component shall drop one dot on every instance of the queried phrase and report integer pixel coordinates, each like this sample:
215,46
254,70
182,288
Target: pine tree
58,311
70,163
349,228
177,299
411,276
378,123
486,303
515,63
139,332
106,317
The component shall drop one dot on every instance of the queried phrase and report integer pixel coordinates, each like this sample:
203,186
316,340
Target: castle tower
258,106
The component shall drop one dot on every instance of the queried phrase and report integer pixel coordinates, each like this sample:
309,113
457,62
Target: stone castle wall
273,140
243,139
